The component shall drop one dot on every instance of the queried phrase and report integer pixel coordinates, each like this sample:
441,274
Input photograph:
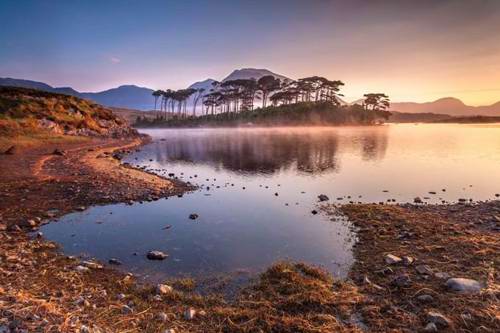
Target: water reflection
268,151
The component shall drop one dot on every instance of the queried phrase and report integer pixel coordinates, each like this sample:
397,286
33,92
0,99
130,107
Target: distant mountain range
449,105
139,98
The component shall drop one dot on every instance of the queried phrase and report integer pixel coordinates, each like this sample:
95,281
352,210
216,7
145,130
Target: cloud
115,60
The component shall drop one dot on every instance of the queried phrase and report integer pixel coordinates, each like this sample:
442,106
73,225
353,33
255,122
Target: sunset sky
411,50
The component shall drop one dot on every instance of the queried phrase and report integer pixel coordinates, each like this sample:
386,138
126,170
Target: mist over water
257,188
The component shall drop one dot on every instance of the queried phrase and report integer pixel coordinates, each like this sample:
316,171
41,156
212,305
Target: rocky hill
28,111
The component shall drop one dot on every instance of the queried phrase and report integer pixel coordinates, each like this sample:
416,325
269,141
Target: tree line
234,96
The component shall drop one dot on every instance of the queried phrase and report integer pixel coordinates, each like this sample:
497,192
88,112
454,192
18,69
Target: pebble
430,327
402,280
156,255
438,319
82,269
463,286
169,330
189,314
127,309
162,316
193,216
407,260
114,261
163,289
314,212
392,259
425,298
323,197
417,200
423,270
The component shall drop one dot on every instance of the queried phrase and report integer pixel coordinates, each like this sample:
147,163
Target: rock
497,195
430,327
402,280
193,216
438,319
84,329
169,330
82,269
58,152
323,197
81,208
121,296
417,200
391,259
407,260
11,150
425,298
114,261
441,275
29,223
162,316
314,212
156,255
423,270
463,286
163,289
189,314
92,264
127,309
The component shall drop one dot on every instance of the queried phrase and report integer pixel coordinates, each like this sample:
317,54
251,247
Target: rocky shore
418,268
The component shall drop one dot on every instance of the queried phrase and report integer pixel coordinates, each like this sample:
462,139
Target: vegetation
310,100
28,111
302,113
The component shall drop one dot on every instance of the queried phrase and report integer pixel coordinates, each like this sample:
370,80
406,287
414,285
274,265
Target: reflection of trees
267,151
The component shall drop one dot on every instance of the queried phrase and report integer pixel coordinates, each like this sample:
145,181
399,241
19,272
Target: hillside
28,111
249,73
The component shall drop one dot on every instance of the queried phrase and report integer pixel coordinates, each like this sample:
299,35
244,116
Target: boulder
463,286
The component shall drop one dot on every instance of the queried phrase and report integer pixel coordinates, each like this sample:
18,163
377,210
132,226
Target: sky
412,50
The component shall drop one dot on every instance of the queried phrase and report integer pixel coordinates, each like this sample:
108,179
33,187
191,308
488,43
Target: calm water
244,227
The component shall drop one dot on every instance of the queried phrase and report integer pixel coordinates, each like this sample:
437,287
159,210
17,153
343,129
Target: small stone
121,296
92,264
82,269
314,212
162,316
423,270
442,275
114,261
58,152
189,314
84,329
438,319
463,286
323,197
156,255
391,259
163,289
425,298
430,327
127,309
402,280
407,260
169,330
417,200
11,150
193,216
81,208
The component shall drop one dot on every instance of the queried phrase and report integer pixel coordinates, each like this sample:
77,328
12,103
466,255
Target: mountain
248,73
207,85
128,96
449,105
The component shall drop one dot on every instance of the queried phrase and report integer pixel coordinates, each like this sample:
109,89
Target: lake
258,187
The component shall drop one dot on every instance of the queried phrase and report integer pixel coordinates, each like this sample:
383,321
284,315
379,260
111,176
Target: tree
156,94
199,94
267,85
376,101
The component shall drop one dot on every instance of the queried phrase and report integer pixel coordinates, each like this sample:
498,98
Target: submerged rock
323,197
114,261
464,286
156,255
193,216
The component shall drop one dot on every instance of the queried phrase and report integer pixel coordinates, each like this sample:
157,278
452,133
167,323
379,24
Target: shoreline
43,288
